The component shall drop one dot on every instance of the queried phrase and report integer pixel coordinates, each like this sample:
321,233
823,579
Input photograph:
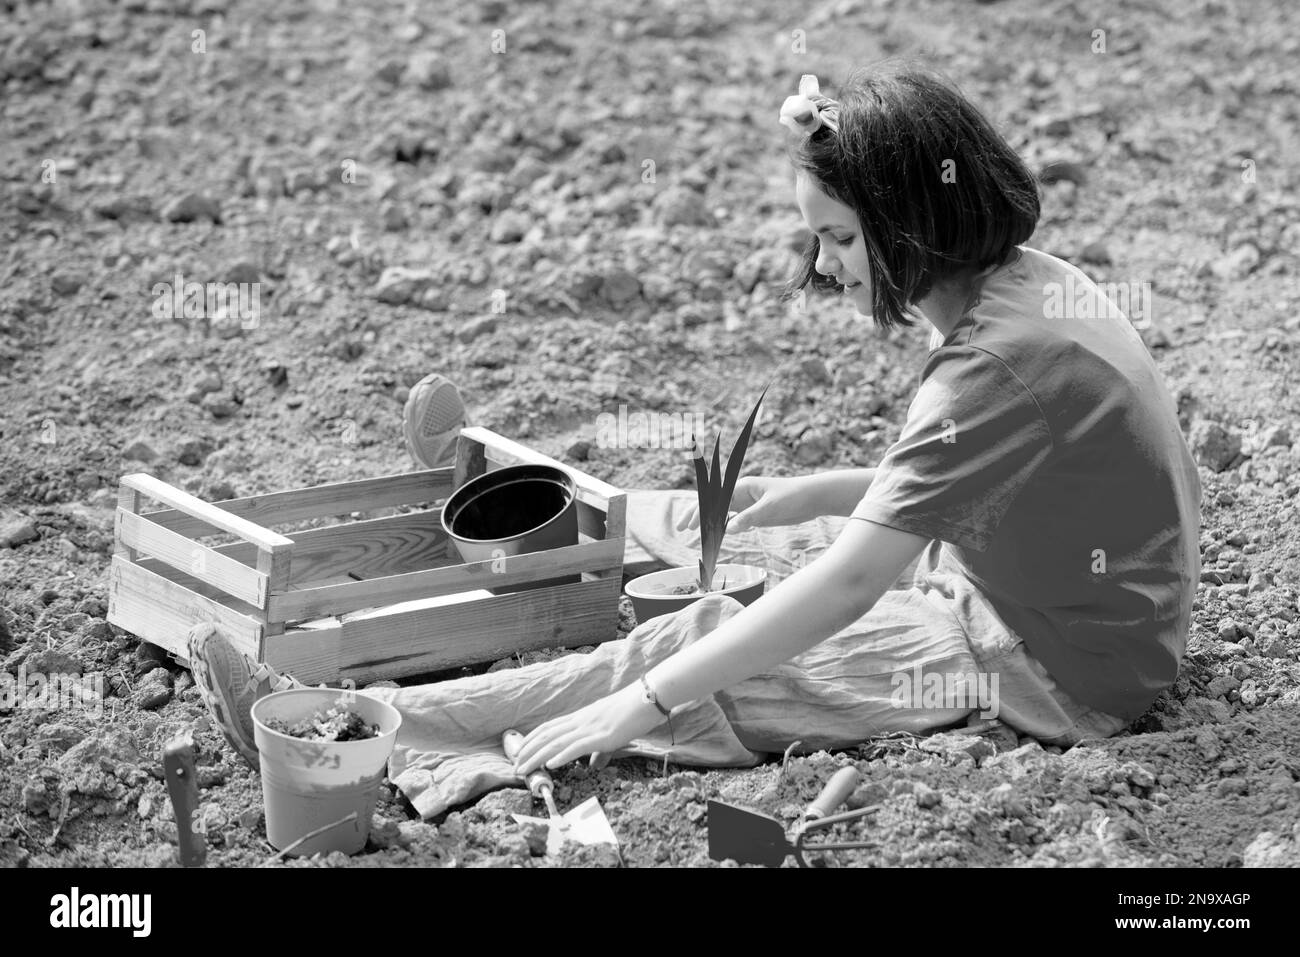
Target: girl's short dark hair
936,189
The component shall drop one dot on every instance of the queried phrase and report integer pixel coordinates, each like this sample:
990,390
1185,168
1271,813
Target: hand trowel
585,824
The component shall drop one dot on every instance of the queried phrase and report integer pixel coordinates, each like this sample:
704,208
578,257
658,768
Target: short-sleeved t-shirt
1045,450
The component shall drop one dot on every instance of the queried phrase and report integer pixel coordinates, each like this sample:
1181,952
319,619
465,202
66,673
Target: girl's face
843,254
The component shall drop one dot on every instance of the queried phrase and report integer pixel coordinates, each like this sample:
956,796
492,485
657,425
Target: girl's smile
842,253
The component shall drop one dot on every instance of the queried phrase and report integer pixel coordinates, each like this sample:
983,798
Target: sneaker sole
216,674
431,420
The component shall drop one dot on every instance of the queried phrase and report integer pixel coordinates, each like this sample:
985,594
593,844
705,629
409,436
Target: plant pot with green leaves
663,592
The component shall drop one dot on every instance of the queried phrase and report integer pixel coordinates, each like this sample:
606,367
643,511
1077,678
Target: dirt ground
496,153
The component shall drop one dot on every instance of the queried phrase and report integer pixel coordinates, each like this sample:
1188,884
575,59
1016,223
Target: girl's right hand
759,501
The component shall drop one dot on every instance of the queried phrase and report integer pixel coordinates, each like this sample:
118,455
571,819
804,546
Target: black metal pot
513,511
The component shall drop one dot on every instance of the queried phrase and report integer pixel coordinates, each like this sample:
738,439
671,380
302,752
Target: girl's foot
431,421
230,683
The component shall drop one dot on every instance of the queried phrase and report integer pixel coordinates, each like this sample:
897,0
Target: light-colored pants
933,617
932,627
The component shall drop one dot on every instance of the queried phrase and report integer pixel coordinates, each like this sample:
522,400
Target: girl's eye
843,241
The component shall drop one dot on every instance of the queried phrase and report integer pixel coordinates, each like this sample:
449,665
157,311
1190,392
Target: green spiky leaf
714,491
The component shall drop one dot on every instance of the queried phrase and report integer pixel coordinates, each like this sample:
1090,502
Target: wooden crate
294,599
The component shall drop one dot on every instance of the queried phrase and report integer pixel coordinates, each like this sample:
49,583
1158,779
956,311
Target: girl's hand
602,727
761,500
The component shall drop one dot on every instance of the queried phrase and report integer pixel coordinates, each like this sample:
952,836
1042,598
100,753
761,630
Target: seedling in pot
714,491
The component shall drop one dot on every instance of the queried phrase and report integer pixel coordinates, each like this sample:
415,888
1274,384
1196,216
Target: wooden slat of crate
202,513
502,450
206,564
161,611
372,548
203,589
616,516
433,582
434,639
334,498
309,654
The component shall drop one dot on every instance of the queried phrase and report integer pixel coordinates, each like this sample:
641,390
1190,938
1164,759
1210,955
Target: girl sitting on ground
1041,488
1041,468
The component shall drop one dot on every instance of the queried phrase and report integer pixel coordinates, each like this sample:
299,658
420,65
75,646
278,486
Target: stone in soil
17,531
814,447
428,71
65,284
277,374
154,691
148,656
58,736
399,285
504,803
1095,253
815,369
244,272
973,746
1213,445
681,206
220,405
207,383
109,752
192,450
139,450
926,796
384,833
619,287
415,833
192,207
53,662
1237,264
394,217
1271,849
477,328
509,226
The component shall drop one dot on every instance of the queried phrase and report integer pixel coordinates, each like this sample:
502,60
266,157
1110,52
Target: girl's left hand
602,727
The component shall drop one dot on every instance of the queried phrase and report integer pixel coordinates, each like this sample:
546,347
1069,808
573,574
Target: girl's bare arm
814,603
838,492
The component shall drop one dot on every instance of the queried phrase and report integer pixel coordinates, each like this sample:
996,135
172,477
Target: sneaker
229,683
431,421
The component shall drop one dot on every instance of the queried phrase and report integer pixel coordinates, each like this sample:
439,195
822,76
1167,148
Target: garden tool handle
183,788
538,781
837,790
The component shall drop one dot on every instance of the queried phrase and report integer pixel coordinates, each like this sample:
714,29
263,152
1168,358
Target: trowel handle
183,788
837,790
537,781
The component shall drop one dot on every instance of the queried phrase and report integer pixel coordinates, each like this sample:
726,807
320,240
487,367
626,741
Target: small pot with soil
670,590
323,753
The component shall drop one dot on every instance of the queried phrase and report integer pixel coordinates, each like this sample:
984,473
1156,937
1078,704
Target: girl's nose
825,262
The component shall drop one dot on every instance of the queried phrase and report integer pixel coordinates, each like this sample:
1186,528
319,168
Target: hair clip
808,111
